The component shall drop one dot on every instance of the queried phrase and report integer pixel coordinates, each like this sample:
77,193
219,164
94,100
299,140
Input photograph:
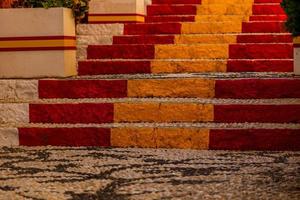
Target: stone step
98,67
263,27
203,38
261,51
268,9
163,137
268,18
159,112
252,88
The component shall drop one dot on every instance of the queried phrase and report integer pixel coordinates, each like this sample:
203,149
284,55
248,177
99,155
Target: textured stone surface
93,39
9,137
225,9
158,66
203,88
18,90
100,29
162,112
160,138
14,113
216,27
147,174
205,38
200,51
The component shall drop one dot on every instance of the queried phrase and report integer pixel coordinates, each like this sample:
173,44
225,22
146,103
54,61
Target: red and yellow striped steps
188,138
161,112
253,88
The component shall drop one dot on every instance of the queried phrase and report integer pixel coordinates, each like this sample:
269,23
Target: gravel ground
116,174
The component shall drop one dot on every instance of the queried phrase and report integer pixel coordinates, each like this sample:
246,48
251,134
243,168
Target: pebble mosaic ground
117,174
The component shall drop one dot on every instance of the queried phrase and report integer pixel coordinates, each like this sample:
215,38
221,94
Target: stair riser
202,88
158,67
252,139
266,9
265,51
162,113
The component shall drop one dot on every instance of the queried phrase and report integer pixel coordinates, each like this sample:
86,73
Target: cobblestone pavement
115,174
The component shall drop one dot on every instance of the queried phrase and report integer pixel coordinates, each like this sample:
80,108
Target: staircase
210,74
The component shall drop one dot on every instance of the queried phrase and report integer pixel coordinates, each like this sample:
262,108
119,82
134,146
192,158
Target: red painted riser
258,88
268,18
103,113
261,51
121,51
260,66
264,38
169,18
154,10
267,9
235,89
263,27
176,1
82,89
152,28
255,139
64,137
144,39
257,113
71,113
113,67
267,1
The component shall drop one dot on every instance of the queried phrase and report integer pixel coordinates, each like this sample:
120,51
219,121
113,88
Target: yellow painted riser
206,39
216,27
227,2
188,66
160,138
201,51
202,88
163,112
224,9
221,18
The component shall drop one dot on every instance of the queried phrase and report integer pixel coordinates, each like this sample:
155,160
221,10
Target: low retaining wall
37,42
117,11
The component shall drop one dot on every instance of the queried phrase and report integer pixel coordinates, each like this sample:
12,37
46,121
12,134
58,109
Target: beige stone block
37,22
18,90
9,137
297,61
14,113
29,64
24,22
117,6
100,29
94,39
